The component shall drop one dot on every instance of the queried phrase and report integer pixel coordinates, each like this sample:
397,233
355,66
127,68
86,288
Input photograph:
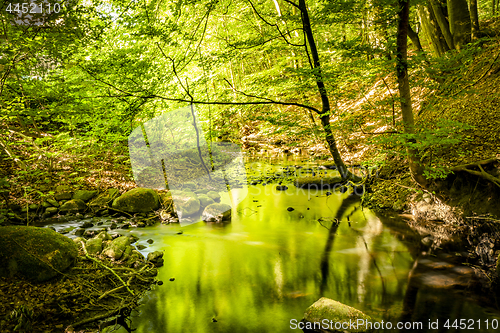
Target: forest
242,165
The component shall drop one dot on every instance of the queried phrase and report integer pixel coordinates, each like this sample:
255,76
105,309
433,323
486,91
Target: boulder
51,210
336,313
94,245
156,258
186,206
205,200
214,196
138,200
117,247
216,212
53,202
84,195
35,253
73,206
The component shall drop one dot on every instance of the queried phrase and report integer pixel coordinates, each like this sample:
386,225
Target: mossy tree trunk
404,89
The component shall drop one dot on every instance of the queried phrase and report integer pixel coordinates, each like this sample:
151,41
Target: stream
282,251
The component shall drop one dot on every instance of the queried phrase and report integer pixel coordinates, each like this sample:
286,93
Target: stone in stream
138,200
87,224
216,212
156,258
290,209
281,188
186,205
117,247
34,252
205,200
214,196
328,310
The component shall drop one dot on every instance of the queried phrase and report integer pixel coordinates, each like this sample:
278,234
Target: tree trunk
432,33
414,39
474,18
444,25
404,88
493,7
460,22
325,102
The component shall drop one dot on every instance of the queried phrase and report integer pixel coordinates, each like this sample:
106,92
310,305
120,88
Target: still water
260,272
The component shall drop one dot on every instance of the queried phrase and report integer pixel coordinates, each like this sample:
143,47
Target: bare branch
273,25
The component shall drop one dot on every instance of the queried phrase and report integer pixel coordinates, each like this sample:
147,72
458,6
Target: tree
416,168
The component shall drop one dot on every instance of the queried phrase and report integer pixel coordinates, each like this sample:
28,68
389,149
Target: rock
116,248
138,200
63,192
216,212
73,206
33,207
140,247
78,241
21,246
51,210
336,312
53,202
290,209
150,241
133,238
205,200
214,196
186,206
104,236
67,230
84,195
190,185
94,245
156,258
317,182
87,224
79,232
113,226
281,188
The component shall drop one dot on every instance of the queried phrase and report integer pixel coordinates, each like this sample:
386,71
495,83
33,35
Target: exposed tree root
481,173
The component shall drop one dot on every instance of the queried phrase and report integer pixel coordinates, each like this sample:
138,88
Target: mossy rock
73,206
205,200
117,247
138,200
186,205
317,182
336,312
84,195
214,196
94,245
217,212
35,253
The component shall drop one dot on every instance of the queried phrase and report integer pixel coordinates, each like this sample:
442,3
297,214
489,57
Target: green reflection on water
264,269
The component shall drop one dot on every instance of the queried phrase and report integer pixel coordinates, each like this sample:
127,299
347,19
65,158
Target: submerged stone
327,315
